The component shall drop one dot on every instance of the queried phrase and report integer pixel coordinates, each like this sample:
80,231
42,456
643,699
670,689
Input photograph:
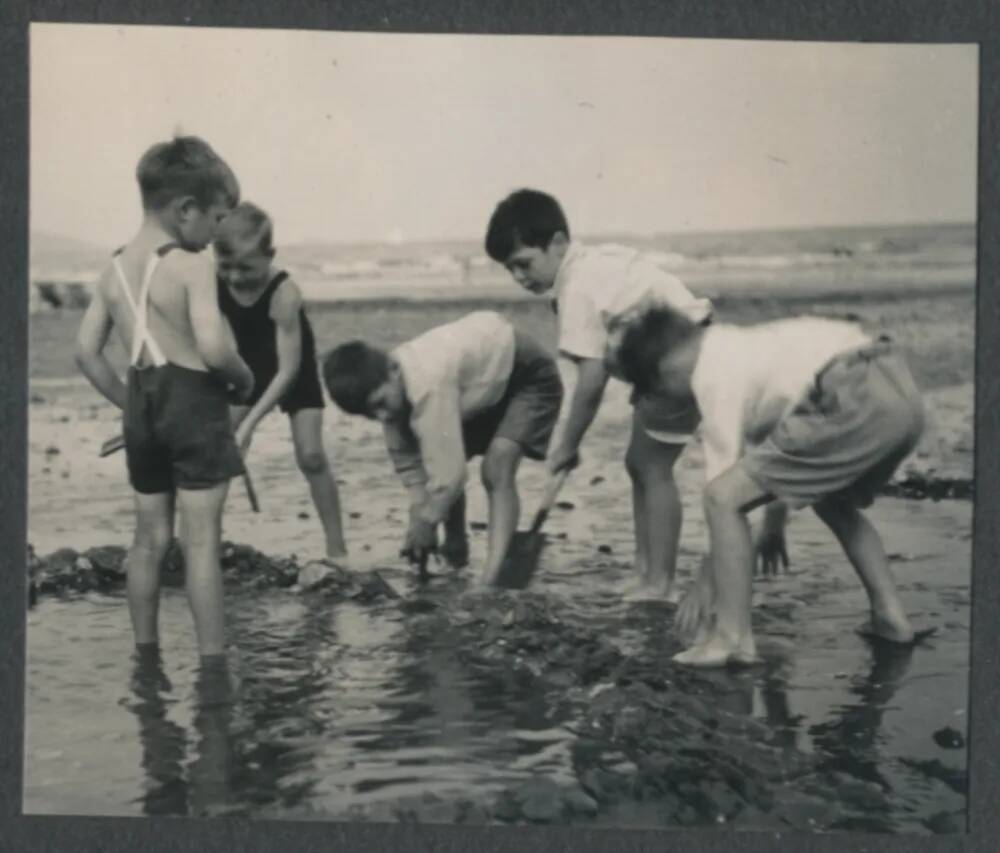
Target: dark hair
525,218
351,372
647,340
185,166
247,222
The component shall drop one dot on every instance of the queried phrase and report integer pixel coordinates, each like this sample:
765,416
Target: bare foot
891,626
654,591
717,652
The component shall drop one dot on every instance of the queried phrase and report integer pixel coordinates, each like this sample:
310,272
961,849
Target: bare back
168,315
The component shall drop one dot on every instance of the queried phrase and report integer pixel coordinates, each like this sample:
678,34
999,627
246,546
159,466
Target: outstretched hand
770,552
421,538
691,612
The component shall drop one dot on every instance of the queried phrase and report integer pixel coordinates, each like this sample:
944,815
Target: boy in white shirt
797,412
598,291
472,387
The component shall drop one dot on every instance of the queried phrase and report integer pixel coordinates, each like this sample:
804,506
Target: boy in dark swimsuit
273,335
159,295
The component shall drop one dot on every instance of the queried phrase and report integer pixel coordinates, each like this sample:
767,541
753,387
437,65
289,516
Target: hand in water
769,551
691,612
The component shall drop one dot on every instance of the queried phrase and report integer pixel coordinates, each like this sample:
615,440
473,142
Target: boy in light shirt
797,412
597,292
472,387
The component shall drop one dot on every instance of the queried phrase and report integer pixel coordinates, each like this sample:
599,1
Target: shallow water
353,711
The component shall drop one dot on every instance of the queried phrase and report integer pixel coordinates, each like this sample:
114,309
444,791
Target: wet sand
830,734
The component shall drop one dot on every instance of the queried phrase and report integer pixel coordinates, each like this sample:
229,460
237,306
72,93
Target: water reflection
164,743
850,742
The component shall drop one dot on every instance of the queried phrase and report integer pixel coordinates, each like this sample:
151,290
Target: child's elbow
83,356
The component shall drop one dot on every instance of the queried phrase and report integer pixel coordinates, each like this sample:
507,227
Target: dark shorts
665,419
528,411
177,430
305,393
861,417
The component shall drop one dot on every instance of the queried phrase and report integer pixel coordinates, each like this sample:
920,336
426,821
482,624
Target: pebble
949,738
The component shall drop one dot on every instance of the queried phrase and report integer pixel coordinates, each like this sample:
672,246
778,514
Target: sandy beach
550,705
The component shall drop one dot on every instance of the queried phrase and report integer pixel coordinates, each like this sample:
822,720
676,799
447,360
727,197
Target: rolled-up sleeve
437,423
404,451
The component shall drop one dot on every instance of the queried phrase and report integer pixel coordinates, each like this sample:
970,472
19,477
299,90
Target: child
474,386
797,412
159,294
598,291
273,334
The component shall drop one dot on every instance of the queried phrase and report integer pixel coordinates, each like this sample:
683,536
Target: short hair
647,340
527,218
185,166
245,222
352,371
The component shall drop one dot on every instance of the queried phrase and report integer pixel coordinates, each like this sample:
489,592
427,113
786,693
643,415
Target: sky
345,137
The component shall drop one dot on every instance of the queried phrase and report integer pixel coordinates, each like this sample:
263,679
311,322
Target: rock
596,480
943,823
374,587
566,505
578,801
470,814
52,450
314,573
604,549
948,738
303,515
108,560
478,525
539,800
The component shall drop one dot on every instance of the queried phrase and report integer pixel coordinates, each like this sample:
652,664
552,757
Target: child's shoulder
188,267
286,300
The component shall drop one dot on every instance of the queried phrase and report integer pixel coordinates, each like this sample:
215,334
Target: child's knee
645,465
154,539
499,467
311,462
720,497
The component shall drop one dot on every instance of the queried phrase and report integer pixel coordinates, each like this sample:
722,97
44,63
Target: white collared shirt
451,373
598,289
747,377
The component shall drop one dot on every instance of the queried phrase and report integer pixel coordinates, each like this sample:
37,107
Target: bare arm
285,308
592,378
212,336
90,342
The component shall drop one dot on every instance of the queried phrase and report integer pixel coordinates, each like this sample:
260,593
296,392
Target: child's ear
187,206
559,241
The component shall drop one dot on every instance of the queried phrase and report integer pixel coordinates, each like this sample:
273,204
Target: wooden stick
117,442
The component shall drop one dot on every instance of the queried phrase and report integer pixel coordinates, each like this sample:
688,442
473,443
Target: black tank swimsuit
255,339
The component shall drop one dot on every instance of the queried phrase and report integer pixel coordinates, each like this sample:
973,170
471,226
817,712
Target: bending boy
475,386
273,334
159,295
798,412
598,291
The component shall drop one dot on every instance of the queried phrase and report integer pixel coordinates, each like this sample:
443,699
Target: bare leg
153,533
307,434
727,500
236,415
201,534
455,548
657,511
499,473
863,547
